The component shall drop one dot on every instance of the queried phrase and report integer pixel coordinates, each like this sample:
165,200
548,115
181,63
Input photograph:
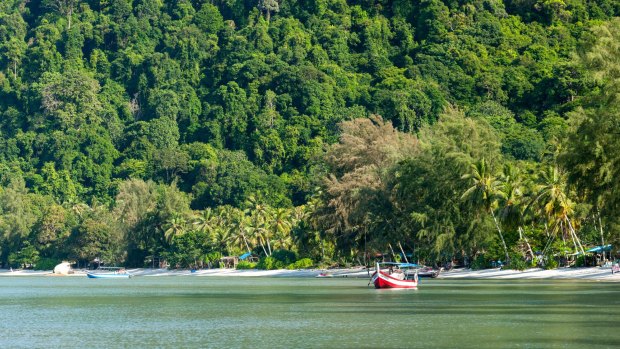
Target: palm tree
220,238
511,206
258,217
552,200
236,221
484,193
204,222
175,226
280,226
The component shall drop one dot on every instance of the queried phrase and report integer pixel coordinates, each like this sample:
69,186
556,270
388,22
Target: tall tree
357,177
268,6
552,200
64,7
484,193
590,154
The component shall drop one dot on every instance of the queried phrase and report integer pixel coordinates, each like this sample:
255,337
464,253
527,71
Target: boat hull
108,276
384,280
428,273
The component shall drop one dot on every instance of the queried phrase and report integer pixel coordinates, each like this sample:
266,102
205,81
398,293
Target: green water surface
248,312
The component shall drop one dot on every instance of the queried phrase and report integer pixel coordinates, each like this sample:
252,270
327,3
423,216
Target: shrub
27,257
303,263
479,263
46,264
550,263
269,263
580,261
517,262
245,265
285,256
213,257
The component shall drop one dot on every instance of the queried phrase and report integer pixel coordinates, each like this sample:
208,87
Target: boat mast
403,251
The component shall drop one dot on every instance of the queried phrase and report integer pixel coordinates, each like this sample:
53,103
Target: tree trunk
260,240
574,235
499,230
268,245
600,225
246,243
403,251
69,14
529,248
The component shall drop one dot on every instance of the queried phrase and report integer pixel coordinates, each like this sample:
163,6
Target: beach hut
600,250
229,262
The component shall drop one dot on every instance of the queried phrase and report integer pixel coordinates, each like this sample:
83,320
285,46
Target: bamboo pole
391,249
403,251
575,237
600,225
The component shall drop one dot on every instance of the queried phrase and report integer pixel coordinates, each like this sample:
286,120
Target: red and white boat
393,275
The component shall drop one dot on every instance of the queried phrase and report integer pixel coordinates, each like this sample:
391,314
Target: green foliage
580,261
232,180
212,257
26,257
116,115
284,256
269,263
304,263
69,99
550,263
480,262
46,264
244,265
517,262
591,147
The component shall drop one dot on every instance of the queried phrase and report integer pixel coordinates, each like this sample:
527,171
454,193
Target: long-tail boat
394,275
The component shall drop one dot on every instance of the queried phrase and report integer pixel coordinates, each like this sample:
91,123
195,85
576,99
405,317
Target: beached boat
63,268
428,272
108,273
394,275
325,275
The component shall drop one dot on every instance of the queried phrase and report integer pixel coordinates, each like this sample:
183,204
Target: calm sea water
220,312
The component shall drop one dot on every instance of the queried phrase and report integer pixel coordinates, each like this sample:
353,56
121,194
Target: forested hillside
138,131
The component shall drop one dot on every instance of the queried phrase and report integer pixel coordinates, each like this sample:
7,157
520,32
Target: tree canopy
473,130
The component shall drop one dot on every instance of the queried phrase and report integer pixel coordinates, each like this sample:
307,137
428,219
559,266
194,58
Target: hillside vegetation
137,131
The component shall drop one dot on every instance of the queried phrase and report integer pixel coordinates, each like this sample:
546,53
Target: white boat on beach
108,273
63,268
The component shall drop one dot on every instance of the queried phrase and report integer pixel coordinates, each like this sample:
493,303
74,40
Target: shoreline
589,274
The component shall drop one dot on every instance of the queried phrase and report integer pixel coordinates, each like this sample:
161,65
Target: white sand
593,273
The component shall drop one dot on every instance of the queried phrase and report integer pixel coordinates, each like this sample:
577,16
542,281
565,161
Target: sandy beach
592,273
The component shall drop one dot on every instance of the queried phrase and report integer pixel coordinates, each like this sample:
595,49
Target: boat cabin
400,271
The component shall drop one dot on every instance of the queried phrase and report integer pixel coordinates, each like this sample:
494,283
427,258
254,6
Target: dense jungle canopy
137,131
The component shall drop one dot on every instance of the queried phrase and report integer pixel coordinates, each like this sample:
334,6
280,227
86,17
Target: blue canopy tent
599,249
248,256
